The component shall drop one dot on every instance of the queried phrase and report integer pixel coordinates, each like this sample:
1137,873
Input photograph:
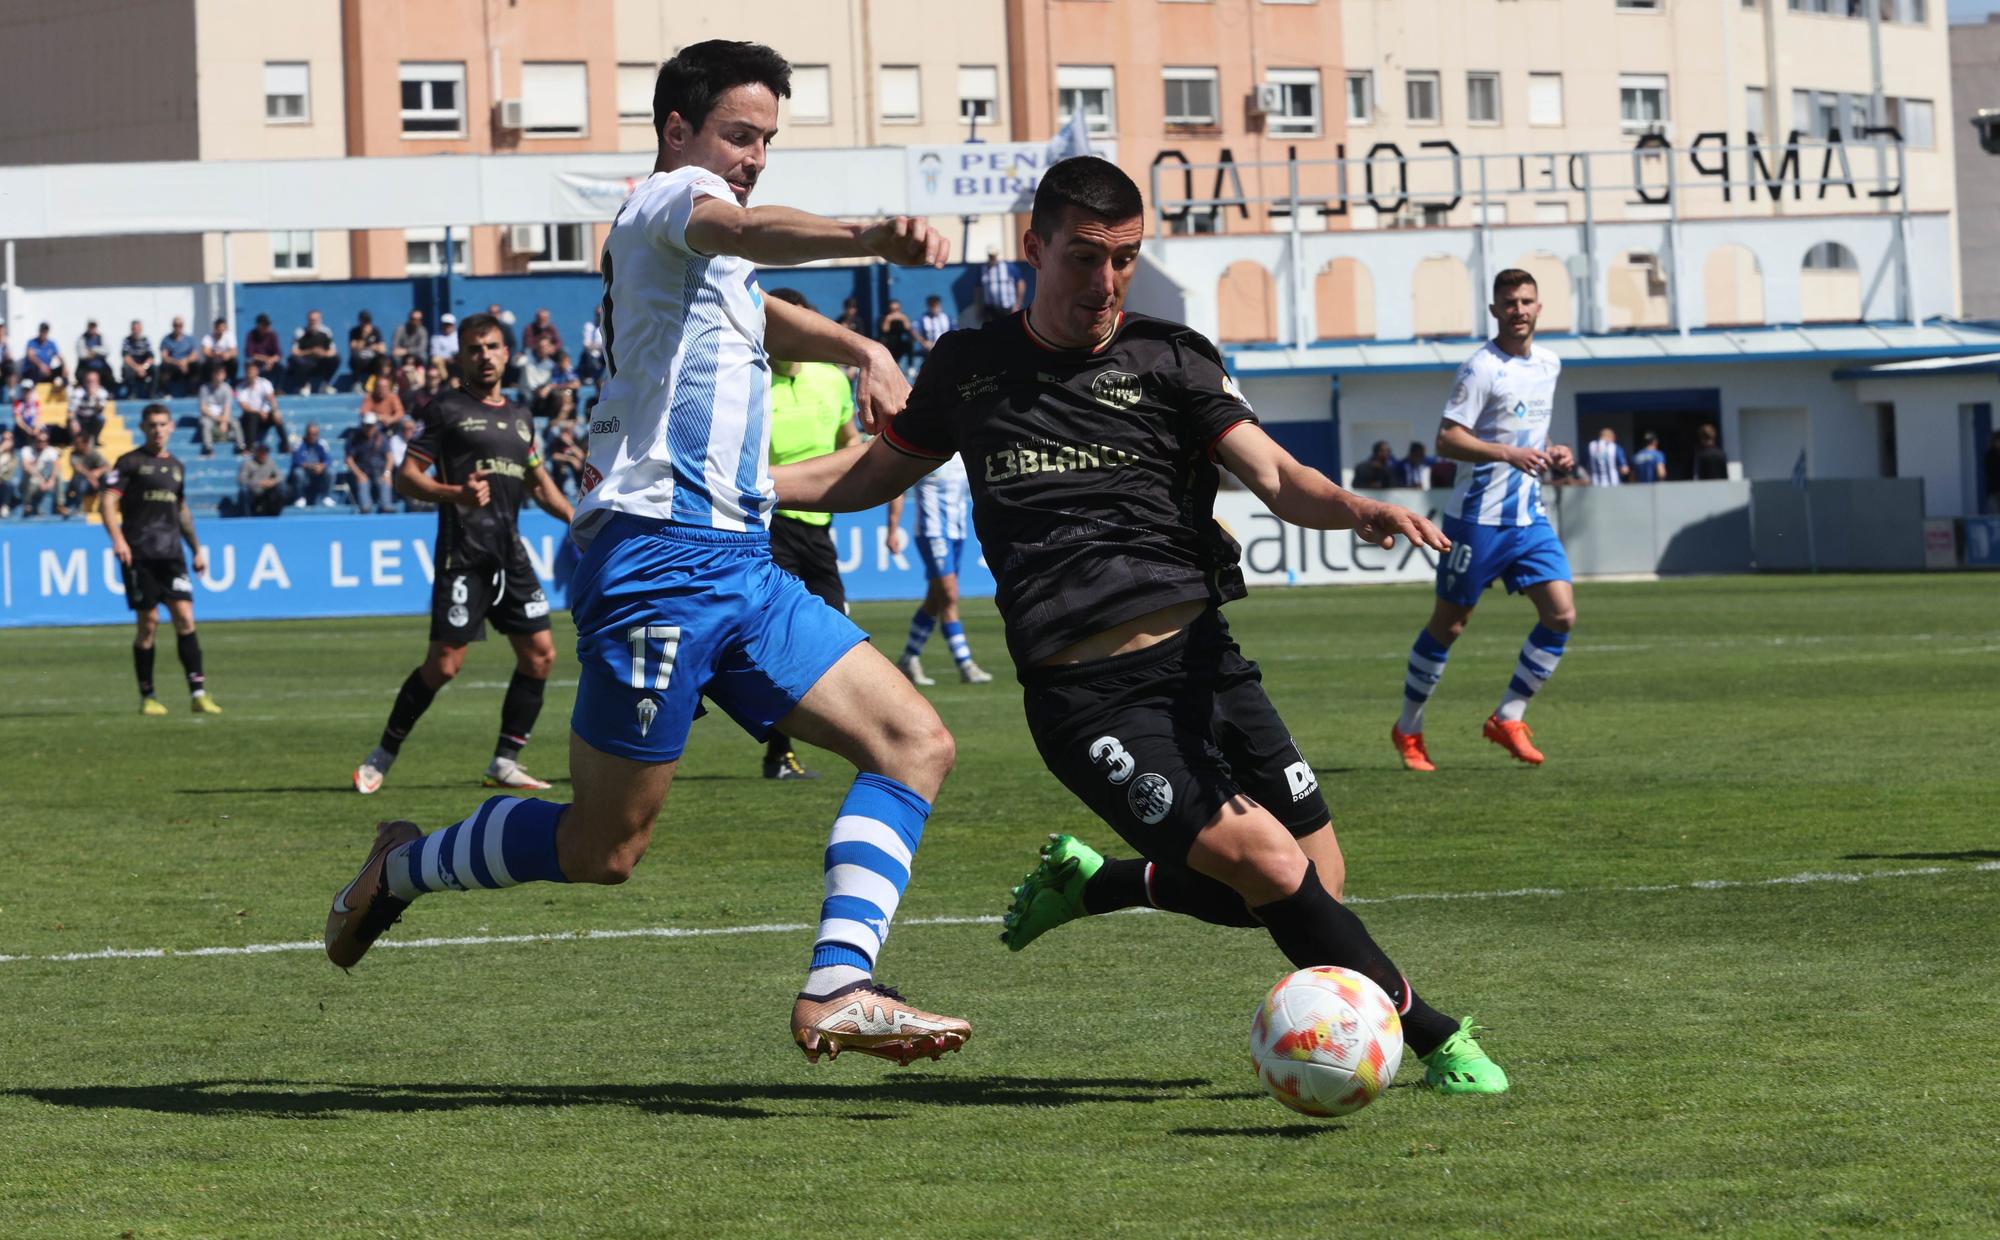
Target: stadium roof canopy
1937,347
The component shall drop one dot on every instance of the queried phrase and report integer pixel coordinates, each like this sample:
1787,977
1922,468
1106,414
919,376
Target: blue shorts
941,556
1520,555
667,614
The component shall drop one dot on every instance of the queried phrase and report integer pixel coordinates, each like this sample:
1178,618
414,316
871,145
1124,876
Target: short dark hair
473,326
700,73
792,296
155,407
1086,183
1512,278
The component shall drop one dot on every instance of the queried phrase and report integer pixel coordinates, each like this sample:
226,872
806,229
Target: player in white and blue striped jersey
1497,422
943,515
676,596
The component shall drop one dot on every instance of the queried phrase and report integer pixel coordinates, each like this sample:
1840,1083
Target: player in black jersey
1091,438
483,448
146,514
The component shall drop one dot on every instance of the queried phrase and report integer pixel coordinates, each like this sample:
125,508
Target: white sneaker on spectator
368,776
329,501
300,502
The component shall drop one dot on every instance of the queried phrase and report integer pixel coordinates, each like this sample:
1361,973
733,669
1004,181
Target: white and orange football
1325,1041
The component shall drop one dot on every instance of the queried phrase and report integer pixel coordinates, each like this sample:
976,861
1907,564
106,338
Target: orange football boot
1513,736
1410,748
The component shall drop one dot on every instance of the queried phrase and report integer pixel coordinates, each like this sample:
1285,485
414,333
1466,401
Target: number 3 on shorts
641,638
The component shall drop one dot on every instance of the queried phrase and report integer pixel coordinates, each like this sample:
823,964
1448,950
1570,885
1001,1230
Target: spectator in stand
1711,463
259,485
1993,473
86,408
1604,459
7,371
216,405
259,402
564,459
382,399
444,342
1413,471
312,471
1649,464
1000,290
589,367
410,381
540,329
87,467
10,468
566,380
218,348
364,345
536,374
42,361
27,415
440,378
899,336
935,323
177,360
850,317
142,376
515,357
40,465
412,339
313,357
1377,472
92,354
261,346
368,466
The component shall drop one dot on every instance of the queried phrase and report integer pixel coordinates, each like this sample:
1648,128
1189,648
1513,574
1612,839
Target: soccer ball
1325,1041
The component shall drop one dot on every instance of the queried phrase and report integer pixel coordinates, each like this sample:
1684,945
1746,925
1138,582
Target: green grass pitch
1735,943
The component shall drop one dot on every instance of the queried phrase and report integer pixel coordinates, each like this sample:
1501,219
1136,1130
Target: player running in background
1497,421
812,414
1092,438
146,513
941,524
676,596
483,448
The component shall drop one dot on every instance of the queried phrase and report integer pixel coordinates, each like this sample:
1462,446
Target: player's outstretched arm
548,494
1302,495
1456,440
785,236
800,335
850,480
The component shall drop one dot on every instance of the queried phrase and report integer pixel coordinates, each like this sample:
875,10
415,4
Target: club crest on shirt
1116,388
521,429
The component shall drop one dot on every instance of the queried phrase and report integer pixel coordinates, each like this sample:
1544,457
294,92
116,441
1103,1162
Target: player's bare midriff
1135,634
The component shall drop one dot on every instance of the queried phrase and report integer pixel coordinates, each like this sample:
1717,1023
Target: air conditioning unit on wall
527,238
1267,98
508,114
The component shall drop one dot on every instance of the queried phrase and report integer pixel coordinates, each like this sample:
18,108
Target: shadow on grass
277,1099
1282,1132
1969,854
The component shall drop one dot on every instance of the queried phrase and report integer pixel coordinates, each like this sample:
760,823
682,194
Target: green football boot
1053,894
1460,1066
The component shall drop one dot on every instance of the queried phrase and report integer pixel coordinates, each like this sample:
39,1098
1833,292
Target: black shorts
1157,741
148,583
463,599
806,551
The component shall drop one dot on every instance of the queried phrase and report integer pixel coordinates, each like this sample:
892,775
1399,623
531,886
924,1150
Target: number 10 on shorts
642,637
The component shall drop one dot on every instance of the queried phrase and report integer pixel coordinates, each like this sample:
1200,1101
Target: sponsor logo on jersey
522,429
1304,783
1235,393
182,585
1150,797
503,467
1011,463
605,426
1116,388
537,607
458,616
978,385
591,477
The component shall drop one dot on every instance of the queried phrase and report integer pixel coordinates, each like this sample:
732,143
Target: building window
1642,101
1297,113
1420,97
1195,222
1086,89
1545,98
423,251
1191,97
292,253
555,99
1916,120
564,247
1830,256
1482,98
1753,111
635,93
1552,213
978,93
287,93
812,95
1640,6
1360,96
901,93
433,99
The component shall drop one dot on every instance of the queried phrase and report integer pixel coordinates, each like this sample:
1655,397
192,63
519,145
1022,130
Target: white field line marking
1810,878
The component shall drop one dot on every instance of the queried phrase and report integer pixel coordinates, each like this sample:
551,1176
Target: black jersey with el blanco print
462,434
149,502
1093,480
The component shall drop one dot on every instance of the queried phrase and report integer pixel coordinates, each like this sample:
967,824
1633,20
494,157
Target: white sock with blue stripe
868,859
508,841
920,632
1544,649
961,650
1420,680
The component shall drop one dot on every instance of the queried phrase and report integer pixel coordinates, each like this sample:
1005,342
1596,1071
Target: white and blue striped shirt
1502,399
682,431
1606,462
941,506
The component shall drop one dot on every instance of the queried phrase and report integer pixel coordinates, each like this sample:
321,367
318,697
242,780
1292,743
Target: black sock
188,646
412,700
777,747
1312,928
518,712
142,663
1122,884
